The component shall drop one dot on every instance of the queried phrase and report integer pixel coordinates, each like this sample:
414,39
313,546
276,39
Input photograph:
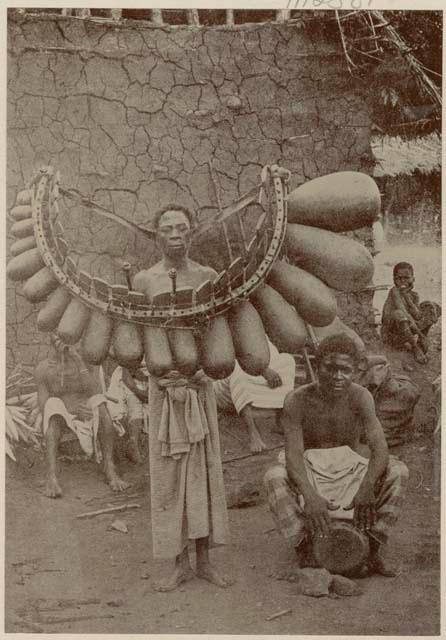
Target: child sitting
406,322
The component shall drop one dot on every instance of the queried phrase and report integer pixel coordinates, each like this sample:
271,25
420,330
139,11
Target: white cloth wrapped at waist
241,389
336,473
183,419
86,429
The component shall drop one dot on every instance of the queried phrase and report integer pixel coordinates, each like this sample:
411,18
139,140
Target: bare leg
181,573
423,341
376,562
278,428
304,554
256,443
204,568
133,452
301,554
419,355
417,350
106,438
52,438
412,339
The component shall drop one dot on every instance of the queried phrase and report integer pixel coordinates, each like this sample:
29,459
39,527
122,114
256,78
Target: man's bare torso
65,382
156,280
328,422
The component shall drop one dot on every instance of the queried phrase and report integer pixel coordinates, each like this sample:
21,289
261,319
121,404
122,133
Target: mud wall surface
136,116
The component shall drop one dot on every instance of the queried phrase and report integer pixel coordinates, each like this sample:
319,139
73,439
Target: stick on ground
279,614
100,512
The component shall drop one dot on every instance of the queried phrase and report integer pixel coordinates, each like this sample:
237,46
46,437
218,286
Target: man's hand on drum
363,504
272,378
316,510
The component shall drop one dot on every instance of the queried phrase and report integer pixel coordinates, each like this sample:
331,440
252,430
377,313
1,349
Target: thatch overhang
395,155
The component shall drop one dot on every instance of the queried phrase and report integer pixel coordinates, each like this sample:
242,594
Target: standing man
70,396
186,478
327,464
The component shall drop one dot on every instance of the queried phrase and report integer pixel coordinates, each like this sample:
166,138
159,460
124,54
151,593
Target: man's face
404,279
174,234
335,373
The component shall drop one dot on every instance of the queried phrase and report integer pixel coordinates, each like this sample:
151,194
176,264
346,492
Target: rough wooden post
193,17
229,16
282,15
157,16
116,14
80,13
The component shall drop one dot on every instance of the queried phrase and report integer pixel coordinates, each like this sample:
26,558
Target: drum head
343,551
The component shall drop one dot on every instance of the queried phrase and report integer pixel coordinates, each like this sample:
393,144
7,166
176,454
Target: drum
343,551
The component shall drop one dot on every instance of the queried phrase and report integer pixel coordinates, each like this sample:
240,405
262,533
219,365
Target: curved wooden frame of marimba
242,276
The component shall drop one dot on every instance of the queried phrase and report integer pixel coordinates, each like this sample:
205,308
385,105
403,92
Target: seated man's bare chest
327,424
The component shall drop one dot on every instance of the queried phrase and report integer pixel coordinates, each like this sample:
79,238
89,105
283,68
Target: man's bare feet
256,444
377,565
116,483
210,573
133,453
419,355
423,341
52,488
304,555
301,555
180,574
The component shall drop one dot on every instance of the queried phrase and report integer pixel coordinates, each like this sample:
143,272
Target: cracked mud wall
133,114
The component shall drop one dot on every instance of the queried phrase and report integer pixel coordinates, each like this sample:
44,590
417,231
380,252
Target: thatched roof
395,155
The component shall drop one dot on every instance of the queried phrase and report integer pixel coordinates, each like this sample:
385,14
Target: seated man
129,387
70,395
257,396
323,423
406,322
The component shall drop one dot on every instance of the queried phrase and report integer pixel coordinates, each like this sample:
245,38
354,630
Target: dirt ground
69,575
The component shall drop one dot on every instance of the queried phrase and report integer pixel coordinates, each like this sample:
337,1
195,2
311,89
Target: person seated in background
70,396
406,322
257,397
129,387
326,465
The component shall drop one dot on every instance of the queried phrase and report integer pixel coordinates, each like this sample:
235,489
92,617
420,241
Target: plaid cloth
289,518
